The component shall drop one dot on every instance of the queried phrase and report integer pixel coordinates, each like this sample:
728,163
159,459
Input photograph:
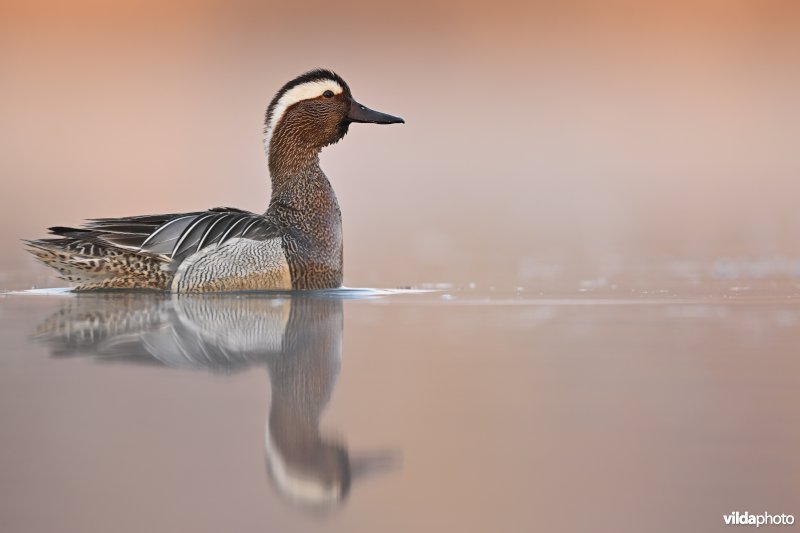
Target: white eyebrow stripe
304,91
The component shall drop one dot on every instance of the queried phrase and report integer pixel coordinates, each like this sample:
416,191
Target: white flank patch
304,91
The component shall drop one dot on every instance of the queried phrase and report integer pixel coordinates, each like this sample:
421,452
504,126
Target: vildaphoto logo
765,519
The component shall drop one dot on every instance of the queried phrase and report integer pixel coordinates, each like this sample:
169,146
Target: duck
296,245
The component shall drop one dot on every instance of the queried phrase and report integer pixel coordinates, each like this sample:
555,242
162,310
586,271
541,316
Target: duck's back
222,249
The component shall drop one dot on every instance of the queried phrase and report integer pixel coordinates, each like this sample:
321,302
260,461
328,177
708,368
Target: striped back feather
143,251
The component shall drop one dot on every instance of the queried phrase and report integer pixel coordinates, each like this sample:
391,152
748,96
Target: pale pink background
544,140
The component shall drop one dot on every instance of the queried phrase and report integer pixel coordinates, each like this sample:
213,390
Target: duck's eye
328,94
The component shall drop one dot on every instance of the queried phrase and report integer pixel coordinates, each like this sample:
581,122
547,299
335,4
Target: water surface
457,409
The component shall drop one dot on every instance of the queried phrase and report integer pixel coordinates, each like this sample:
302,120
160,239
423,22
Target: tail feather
79,257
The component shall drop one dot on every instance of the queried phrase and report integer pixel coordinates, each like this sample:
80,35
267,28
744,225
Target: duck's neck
304,204
299,184
289,160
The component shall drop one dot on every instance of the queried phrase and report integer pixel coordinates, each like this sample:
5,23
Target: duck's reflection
298,338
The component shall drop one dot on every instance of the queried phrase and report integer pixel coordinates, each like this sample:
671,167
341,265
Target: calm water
632,166
464,409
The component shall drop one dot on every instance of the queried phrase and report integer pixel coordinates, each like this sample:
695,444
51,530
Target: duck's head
313,111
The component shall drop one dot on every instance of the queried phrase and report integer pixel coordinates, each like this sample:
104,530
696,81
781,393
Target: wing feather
174,236
209,231
191,236
163,239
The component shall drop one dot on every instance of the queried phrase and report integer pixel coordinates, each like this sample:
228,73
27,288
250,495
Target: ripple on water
341,292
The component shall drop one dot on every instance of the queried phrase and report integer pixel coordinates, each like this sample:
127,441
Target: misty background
545,143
